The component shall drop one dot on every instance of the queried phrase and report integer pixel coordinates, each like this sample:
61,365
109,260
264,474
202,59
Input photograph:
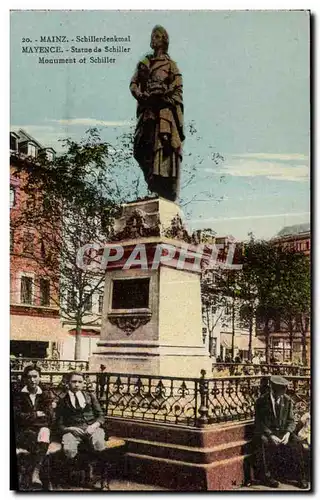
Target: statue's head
159,38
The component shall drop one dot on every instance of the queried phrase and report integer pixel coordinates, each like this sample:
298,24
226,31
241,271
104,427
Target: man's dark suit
276,422
27,423
266,423
69,416
73,422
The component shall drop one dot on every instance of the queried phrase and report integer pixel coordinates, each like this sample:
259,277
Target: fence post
204,393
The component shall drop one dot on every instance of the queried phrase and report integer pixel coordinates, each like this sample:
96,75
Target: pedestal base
147,359
152,315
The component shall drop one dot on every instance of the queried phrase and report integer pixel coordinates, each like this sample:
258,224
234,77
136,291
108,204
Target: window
228,310
308,245
100,306
87,302
28,243
44,292
32,150
13,142
49,155
26,290
130,294
12,196
11,240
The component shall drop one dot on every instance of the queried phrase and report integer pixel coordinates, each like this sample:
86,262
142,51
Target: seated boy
79,418
33,415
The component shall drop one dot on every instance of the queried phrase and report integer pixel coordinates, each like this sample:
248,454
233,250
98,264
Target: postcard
160,287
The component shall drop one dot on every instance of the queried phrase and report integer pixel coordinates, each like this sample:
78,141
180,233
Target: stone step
227,474
187,453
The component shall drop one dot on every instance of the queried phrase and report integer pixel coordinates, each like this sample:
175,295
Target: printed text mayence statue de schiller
61,44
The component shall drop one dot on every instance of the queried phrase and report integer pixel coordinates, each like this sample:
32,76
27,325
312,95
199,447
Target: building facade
295,238
35,327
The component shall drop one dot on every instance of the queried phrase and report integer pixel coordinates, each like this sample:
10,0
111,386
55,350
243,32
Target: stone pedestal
151,321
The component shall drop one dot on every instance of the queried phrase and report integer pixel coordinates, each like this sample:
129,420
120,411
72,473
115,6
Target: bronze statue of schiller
157,86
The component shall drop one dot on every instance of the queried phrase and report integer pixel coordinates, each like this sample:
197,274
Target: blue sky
246,87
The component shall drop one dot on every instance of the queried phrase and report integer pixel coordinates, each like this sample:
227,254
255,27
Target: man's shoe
36,482
272,483
303,485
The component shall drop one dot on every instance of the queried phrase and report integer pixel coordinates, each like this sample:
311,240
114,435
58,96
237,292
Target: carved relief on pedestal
153,219
137,227
129,324
177,230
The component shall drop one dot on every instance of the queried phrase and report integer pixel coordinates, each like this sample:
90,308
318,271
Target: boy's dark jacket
68,416
266,422
25,414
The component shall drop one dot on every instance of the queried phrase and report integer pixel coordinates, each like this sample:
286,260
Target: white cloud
273,156
248,217
261,167
90,122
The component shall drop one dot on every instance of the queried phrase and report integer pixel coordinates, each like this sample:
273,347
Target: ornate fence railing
233,369
177,400
59,365
259,369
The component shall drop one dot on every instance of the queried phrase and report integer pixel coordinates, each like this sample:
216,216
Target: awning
241,342
35,328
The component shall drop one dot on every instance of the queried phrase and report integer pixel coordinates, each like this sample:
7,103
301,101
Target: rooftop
294,230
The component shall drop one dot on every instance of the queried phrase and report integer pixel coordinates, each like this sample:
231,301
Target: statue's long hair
164,34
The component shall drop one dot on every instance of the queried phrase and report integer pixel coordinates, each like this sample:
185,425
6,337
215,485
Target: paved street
123,485
282,487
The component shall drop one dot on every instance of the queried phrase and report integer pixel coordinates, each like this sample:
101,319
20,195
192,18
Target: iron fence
177,400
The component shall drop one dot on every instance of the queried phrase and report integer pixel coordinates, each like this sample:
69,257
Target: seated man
33,414
79,418
274,430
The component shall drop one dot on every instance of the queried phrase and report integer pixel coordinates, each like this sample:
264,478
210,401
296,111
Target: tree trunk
250,338
233,331
291,344
304,328
304,348
267,341
77,347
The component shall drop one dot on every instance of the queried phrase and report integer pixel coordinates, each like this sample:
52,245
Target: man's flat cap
278,380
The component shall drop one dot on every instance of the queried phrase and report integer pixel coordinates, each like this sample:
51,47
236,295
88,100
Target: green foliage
273,285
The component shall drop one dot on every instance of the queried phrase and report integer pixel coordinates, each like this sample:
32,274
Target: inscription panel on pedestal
130,293
130,303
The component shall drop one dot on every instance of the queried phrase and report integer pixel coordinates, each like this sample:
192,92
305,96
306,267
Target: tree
70,201
259,288
214,300
294,296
